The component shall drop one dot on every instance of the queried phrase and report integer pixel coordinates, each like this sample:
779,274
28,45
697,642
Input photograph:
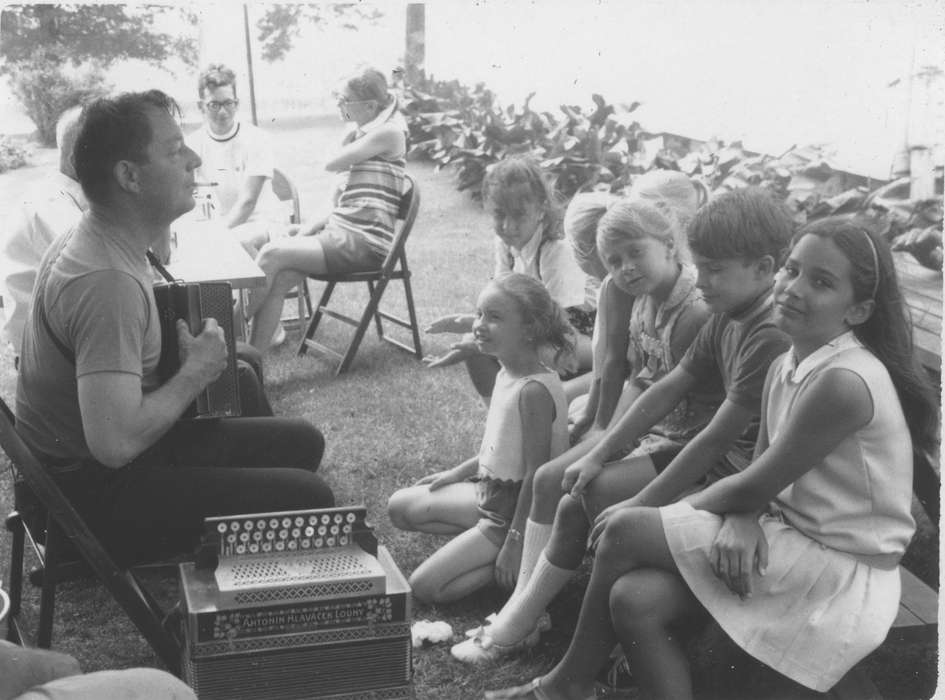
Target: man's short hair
747,223
214,76
67,128
115,129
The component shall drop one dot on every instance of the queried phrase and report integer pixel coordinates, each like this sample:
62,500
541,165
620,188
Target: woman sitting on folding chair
357,235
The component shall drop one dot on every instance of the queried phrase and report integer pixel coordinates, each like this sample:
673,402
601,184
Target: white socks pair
539,581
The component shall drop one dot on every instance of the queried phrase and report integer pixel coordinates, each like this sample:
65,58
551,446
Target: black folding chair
394,268
65,527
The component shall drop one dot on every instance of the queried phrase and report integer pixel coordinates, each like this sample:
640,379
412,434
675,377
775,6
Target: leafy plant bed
603,147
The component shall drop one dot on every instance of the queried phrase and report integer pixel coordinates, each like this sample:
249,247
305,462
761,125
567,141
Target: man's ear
126,174
859,312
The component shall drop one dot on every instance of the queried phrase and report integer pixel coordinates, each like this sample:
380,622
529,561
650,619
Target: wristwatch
513,535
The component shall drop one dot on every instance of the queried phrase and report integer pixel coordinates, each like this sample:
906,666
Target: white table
208,252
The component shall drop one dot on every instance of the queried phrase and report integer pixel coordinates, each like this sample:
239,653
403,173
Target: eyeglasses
344,102
215,106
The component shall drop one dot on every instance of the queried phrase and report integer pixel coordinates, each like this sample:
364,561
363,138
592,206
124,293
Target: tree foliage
44,46
282,24
75,34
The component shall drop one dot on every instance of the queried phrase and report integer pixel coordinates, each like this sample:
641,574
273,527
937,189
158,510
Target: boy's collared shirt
735,352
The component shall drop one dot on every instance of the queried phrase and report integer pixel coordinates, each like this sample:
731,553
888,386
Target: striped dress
367,209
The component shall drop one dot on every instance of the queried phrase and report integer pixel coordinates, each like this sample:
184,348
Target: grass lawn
388,422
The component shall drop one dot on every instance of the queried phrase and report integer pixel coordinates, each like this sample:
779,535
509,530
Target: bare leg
463,565
633,539
546,486
269,313
643,605
446,511
619,481
565,549
283,261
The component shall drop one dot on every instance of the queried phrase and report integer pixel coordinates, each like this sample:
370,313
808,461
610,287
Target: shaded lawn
388,422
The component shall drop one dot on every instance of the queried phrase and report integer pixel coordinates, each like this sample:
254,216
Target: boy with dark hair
737,243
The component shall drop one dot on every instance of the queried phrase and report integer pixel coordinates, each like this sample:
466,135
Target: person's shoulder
253,131
765,337
535,389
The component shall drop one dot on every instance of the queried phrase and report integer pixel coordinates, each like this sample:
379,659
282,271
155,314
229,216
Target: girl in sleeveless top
358,234
484,501
797,556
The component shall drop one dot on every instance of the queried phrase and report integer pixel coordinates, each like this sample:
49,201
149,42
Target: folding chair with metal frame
394,268
286,191
64,526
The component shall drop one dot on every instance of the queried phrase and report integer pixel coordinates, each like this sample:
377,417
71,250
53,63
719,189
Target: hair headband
869,238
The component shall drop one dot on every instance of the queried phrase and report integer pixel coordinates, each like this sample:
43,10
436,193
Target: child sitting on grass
528,239
484,500
737,242
812,585
643,250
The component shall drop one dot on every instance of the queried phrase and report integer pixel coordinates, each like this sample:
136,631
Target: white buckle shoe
482,648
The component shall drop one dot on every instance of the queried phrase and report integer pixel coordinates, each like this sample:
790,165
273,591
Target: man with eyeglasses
238,157
237,166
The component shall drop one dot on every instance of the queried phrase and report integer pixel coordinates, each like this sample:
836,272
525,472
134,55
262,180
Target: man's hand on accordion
203,355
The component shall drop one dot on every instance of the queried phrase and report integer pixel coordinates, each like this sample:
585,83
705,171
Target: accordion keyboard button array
286,534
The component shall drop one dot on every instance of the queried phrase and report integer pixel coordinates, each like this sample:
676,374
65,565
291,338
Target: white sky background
769,72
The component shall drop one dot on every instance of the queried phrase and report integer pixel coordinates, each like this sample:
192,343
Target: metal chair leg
17,529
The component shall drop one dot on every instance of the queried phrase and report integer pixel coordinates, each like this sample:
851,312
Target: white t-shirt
229,161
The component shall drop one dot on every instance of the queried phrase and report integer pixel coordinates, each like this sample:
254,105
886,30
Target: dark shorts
496,501
345,252
662,458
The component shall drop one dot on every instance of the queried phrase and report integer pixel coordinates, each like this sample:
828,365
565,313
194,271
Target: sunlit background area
771,73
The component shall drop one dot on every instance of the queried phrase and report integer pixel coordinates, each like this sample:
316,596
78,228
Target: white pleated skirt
812,617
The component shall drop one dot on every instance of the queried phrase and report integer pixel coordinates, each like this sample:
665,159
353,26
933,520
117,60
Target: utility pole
249,64
416,42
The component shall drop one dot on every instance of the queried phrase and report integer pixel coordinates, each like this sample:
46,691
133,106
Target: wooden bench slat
917,620
922,292
918,598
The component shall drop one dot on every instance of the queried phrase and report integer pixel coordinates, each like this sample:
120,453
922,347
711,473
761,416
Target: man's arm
120,421
246,202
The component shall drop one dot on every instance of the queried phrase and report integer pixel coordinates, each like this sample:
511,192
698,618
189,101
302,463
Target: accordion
296,604
195,302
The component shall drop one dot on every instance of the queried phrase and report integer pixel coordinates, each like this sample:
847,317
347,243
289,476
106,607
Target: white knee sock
535,538
517,619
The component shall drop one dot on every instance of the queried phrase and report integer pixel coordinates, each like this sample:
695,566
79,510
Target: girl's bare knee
617,541
546,485
570,515
398,510
424,590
